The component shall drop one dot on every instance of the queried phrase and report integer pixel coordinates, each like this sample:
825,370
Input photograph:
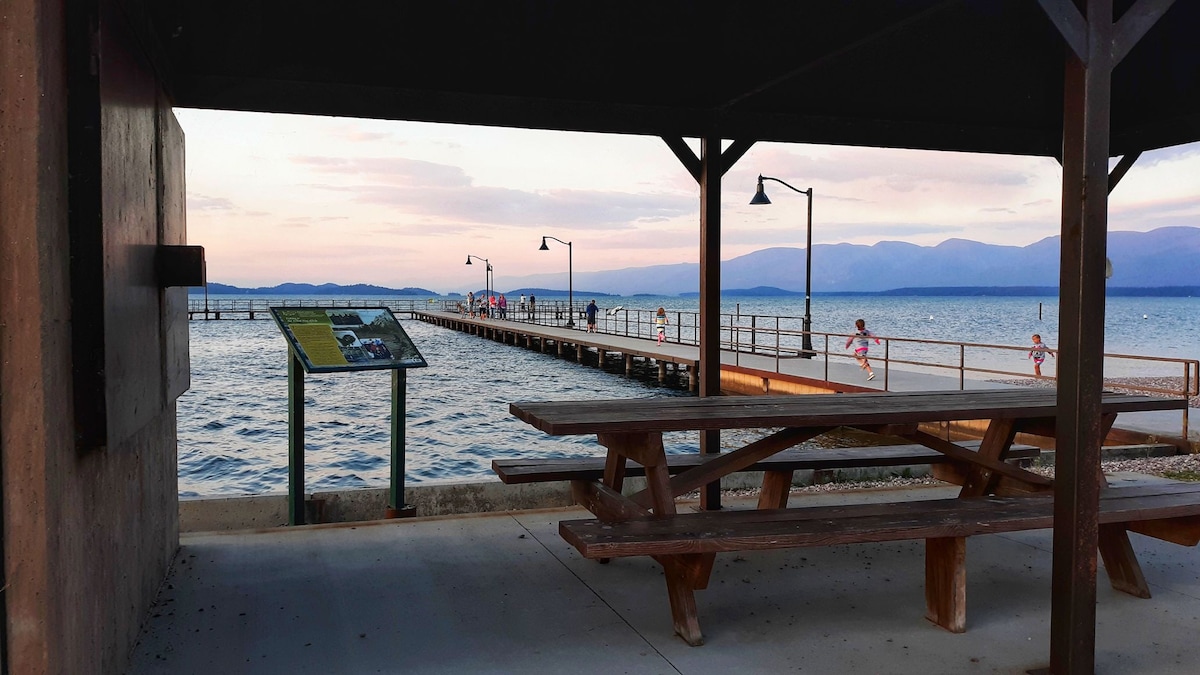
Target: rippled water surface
233,423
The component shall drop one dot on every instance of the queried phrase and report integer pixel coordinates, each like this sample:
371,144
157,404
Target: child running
862,344
1037,352
660,324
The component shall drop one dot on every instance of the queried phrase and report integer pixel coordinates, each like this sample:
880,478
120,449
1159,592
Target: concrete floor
503,593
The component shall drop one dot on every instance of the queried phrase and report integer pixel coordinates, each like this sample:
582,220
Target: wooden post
710,296
397,506
1094,47
295,441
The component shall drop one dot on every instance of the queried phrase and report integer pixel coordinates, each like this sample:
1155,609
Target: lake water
233,422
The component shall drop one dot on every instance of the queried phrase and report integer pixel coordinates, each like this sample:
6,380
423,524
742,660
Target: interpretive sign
331,340
341,339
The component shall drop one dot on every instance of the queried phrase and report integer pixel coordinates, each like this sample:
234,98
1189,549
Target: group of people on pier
494,306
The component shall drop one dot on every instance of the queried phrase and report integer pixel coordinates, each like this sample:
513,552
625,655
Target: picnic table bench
784,463
995,496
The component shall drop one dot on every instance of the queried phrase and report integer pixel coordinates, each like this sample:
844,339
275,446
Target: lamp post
487,276
760,197
570,278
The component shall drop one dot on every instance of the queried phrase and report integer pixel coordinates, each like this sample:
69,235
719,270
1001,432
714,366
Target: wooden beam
692,163
1087,91
710,296
1134,24
731,462
1070,24
685,155
978,459
733,153
1123,166
644,448
86,224
608,504
836,54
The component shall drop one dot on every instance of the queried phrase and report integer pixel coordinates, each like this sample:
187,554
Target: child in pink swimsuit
862,344
1038,352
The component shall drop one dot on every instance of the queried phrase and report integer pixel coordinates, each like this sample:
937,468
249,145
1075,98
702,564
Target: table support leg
775,488
681,590
1121,563
997,439
946,582
614,471
685,573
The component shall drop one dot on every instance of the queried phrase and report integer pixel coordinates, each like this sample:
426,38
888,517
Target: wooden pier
260,308
667,356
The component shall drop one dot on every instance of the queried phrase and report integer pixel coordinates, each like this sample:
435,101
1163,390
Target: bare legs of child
864,364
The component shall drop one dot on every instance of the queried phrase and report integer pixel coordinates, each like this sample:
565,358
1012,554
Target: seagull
616,309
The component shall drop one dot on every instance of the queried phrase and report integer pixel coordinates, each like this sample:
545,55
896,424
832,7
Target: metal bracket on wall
179,266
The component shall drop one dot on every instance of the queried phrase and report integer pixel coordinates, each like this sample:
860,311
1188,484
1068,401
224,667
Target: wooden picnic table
631,429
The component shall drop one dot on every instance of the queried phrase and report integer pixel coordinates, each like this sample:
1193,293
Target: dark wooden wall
89,495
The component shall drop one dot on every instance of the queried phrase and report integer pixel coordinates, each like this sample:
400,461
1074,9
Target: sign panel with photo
330,340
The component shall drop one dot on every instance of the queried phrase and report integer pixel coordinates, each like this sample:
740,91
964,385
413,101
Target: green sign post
334,340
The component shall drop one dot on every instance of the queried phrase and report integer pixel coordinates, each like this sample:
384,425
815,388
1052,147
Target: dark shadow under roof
977,75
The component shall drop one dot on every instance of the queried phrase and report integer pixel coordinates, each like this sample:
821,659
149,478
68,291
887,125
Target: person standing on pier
660,324
502,305
521,304
1037,352
532,300
862,344
471,303
591,316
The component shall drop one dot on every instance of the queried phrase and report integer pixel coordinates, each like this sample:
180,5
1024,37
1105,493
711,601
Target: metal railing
1136,373
779,339
263,305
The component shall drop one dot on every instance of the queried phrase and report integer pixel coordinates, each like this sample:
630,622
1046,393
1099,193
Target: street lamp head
468,260
543,247
760,196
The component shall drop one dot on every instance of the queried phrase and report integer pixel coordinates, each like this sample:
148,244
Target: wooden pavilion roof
1030,77
978,75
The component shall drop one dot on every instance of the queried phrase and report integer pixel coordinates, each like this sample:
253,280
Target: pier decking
678,357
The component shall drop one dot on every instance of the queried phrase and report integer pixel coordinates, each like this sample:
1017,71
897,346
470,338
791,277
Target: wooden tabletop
559,418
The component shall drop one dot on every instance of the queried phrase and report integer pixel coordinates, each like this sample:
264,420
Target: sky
291,198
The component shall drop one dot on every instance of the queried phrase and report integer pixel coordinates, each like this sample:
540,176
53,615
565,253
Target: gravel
1146,386
1179,467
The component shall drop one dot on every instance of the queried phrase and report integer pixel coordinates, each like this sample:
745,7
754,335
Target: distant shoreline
365,290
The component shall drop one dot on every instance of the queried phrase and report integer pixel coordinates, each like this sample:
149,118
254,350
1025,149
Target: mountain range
311,289
1162,258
